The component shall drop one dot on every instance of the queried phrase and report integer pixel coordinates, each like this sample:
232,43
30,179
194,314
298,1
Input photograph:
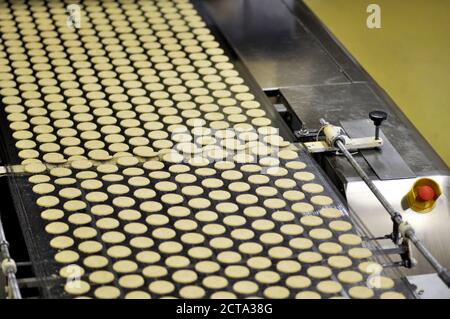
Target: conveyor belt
150,169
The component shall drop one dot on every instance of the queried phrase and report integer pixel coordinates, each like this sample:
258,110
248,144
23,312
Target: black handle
377,117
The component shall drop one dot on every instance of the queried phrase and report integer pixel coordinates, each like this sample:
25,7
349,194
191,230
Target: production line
153,151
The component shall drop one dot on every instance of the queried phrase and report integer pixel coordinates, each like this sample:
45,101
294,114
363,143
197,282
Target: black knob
377,117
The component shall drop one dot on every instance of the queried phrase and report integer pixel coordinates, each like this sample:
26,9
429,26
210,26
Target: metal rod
10,272
410,234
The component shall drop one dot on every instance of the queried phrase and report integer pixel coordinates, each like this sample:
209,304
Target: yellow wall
409,56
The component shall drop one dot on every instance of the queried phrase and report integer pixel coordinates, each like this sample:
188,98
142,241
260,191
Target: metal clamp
336,133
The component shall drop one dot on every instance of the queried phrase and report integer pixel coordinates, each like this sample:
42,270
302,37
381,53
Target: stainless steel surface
432,228
429,286
275,47
386,162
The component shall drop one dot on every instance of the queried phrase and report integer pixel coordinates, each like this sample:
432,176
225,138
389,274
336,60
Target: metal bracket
354,144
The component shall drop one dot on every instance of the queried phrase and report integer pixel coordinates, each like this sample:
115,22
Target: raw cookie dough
329,287
311,221
319,272
392,295
77,287
350,239
276,292
309,257
320,233
161,287
339,262
215,282
288,266
370,267
340,225
380,282
308,295
312,188
359,253
298,282
302,208
330,213
304,176
350,277
107,292
245,287
101,277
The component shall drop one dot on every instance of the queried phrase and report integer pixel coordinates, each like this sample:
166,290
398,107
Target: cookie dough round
311,220
320,233
47,201
161,287
340,226
215,282
308,295
66,257
293,195
223,295
350,239
154,271
380,282
77,287
359,253
330,212
302,208
301,243
339,262
370,267
101,277
267,277
288,266
312,188
350,277
107,292
309,257
319,272
321,200
392,295
360,292
304,176
56,228
276,292
137,295
131,281
245,287
329,287
330,248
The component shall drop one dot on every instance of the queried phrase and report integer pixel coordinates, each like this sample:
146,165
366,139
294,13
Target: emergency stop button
423,195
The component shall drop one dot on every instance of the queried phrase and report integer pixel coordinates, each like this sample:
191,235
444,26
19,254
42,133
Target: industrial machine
207,149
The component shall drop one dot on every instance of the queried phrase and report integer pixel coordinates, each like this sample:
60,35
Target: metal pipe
10,268
409,233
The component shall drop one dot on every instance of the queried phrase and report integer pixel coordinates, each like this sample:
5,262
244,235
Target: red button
425,193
